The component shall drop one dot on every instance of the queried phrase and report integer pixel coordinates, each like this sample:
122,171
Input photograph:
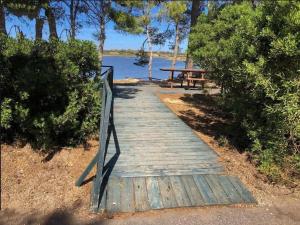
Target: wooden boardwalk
154,160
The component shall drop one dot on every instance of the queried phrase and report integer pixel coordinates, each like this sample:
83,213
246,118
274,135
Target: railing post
112,88
105,121
98,179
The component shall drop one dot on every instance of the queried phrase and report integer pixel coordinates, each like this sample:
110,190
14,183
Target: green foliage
125,22
254,55
29,8
6,113
49,96
223,141
174,11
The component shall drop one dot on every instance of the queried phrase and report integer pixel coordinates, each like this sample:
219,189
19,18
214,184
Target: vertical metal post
112,88
106,119
96,183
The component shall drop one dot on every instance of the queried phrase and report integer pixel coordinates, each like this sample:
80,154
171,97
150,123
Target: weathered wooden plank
171,128
146,108
217,189
244,193
161,138
126,146
189,140
127,195
113,195
153,124
230,190
136,114
153,193
173,159
174,162
140,190
170,163
142,124
129,152
189,158
158,119
180,192
136,132
164,156
126,153
165,172
168,166
159,147
192,190
206,192
146,127
167,192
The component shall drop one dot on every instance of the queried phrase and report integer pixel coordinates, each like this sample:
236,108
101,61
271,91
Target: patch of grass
223,141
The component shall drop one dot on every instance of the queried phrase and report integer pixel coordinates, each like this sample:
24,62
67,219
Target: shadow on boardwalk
109,166
125,92
212,120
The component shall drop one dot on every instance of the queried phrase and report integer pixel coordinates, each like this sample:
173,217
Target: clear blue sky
114,39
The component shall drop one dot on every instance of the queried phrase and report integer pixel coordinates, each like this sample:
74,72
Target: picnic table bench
191,75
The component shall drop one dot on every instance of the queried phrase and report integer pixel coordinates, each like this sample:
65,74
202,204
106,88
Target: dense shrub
49,96
254,54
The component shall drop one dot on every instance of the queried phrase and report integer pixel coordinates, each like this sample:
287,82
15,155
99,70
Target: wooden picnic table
184,71
188,73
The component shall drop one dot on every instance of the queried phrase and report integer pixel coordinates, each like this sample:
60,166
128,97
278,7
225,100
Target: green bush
49,96
254,54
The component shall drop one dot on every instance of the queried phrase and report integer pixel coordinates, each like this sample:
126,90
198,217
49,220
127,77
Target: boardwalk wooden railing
106,120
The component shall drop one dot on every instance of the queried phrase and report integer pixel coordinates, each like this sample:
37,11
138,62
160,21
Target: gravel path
285,213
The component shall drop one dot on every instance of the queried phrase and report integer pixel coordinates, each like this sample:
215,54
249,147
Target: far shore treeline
130,52
50,87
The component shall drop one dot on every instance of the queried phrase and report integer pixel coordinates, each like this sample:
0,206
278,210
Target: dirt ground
36,189
31,183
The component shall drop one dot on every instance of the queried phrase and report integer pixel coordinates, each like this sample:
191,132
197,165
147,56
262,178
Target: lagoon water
124,67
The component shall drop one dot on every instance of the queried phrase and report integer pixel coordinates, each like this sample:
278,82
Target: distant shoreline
132,53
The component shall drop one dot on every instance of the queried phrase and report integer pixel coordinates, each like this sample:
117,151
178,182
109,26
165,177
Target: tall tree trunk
72,19
176,46
39,23
105,6
2,20
194,15
51,21
101,40
149,41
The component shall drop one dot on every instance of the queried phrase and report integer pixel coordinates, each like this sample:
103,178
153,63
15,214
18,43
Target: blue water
124,67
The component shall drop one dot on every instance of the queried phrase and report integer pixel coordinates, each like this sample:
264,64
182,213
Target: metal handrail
106,117
106,120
